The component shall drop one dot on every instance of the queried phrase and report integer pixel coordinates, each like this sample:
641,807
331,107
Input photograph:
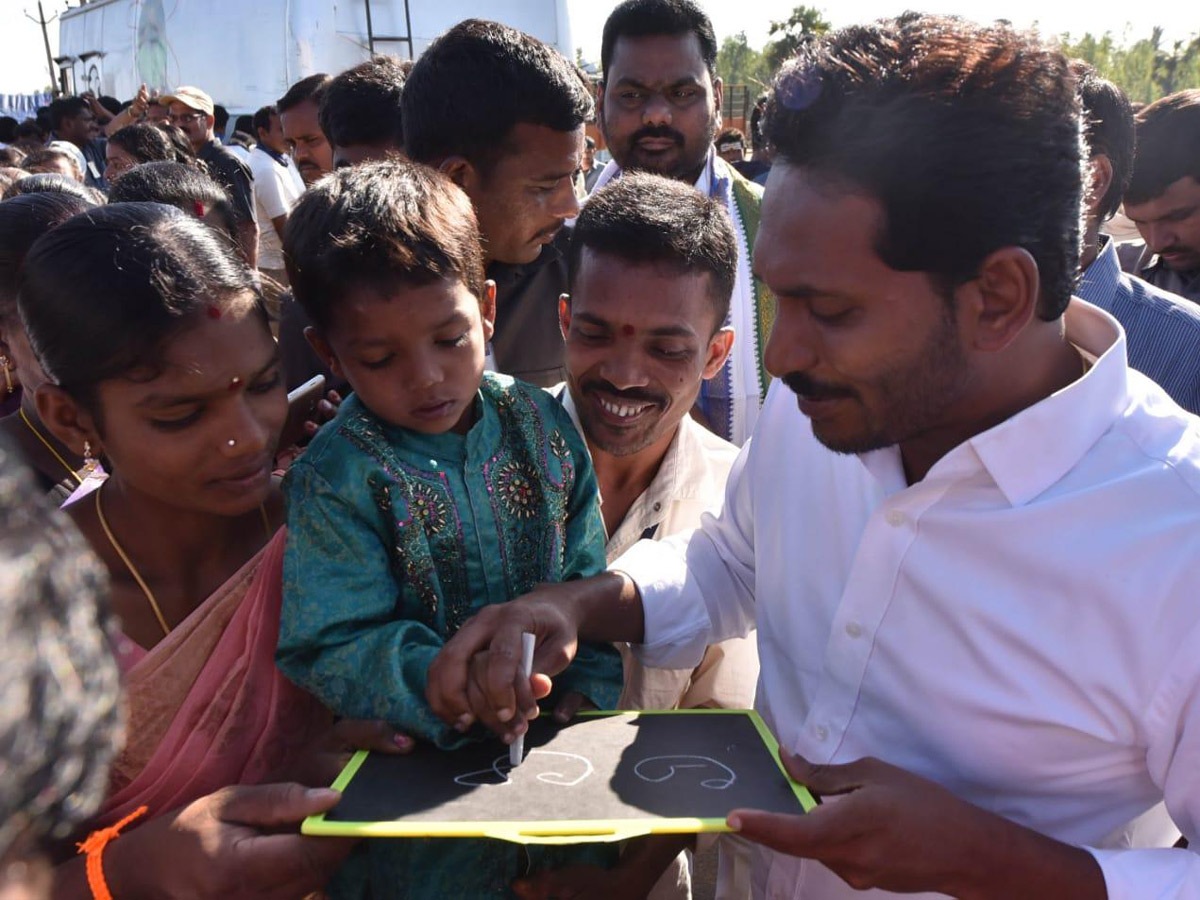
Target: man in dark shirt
74,132
502,114
192,111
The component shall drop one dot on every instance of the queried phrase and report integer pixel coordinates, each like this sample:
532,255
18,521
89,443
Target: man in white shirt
277,187
651,266
976,616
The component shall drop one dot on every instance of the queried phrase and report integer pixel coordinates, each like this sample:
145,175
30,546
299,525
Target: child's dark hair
101,295
379,224
23,220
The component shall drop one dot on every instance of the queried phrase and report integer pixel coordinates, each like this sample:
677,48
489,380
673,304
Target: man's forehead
655,58
538,150
1182,193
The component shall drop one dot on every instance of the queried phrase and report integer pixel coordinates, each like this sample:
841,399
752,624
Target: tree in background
1145,70
739,63
788,36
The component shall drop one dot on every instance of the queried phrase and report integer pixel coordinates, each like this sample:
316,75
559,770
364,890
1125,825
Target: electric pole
41,20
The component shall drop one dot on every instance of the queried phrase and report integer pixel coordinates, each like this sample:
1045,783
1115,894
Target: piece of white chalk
516,750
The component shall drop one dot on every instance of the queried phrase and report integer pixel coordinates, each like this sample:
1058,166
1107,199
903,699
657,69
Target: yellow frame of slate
552,831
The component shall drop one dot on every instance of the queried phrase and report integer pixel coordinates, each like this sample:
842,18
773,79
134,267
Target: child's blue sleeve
596,671
339,635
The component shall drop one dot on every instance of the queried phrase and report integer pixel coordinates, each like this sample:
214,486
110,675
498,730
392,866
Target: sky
23,57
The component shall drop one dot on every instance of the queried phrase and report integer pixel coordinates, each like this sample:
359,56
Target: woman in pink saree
154,337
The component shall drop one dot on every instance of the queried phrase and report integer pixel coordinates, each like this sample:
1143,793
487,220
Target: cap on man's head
191,97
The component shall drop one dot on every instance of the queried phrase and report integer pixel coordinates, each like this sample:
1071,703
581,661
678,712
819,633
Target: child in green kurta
436,490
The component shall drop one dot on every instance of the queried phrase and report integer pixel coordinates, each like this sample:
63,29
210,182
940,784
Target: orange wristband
94,848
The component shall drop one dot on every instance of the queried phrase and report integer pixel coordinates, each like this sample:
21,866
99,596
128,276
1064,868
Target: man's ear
600,112
459,170
994,307
564,314
487,309
67,420
1100,179
718,99
719,347
325,353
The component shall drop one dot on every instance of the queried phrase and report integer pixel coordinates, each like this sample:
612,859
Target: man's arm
279,223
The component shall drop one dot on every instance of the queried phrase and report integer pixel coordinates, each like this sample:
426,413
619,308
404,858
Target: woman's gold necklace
45,443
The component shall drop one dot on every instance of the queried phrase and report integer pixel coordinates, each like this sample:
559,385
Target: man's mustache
634,395
657,131
811,389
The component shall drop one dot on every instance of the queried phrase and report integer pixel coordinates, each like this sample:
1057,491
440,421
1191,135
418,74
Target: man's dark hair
729,135
220,118
244,124
262,118
478,81
112,104
66,108
1168,145
8,129
309,88
650,219
649,18
29,129
362,104
1107,128
379,224
967,135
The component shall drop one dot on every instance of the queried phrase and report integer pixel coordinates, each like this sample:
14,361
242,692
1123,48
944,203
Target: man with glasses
191,109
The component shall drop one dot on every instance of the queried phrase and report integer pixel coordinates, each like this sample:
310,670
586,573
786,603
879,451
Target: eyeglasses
185,118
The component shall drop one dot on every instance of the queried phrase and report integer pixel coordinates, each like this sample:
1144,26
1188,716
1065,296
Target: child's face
414,355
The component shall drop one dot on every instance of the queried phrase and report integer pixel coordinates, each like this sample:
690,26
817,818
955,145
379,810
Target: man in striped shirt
1162,329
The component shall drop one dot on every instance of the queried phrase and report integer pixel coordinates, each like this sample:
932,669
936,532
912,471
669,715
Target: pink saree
206,707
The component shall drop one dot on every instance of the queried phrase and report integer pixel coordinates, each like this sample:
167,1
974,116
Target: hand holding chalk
516,750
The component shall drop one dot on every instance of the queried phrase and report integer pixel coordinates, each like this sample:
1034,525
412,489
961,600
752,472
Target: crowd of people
899,450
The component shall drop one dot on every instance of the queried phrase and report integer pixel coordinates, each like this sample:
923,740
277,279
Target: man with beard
298,116
1163,199
971,552
660,108
502,114
652,264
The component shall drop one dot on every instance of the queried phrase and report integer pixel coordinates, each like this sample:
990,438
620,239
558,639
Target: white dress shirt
1022,625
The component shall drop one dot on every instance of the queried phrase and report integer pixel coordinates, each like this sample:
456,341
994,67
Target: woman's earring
7,367
89,461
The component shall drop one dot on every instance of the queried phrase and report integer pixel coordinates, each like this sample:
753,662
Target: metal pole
370,32
41,20
408,29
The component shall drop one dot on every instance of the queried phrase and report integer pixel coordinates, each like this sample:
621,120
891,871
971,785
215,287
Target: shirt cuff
677,625
1153,874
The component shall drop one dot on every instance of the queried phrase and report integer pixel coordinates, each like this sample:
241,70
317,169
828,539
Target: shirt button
854,630
820,732
894,517
657,507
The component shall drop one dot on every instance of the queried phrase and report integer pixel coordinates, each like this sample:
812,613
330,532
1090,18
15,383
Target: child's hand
331,750
570,704
527,692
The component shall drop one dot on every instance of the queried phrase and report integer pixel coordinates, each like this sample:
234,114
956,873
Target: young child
436,490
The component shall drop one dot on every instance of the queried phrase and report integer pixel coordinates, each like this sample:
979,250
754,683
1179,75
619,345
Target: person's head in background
1163,197
361,113
588,162
268,130
1110,136
53,183
660,100
136,144
652,265
182,186
158,112
502,114
243,132
8,175
385,259
920,230
8,129
299,118
154,337
52,161
12,157
191,110
731,145
30,136
23,220
72,120
60,691
220,122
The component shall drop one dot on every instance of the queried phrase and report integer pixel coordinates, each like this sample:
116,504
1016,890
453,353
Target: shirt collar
280,158
1102,278
1027,453
715,179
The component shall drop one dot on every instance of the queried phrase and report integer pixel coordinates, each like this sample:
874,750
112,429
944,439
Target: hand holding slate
463,687
893,830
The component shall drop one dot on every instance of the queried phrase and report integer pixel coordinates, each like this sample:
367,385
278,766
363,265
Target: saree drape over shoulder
207,707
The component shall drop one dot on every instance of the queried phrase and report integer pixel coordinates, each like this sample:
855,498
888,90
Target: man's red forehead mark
214,312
